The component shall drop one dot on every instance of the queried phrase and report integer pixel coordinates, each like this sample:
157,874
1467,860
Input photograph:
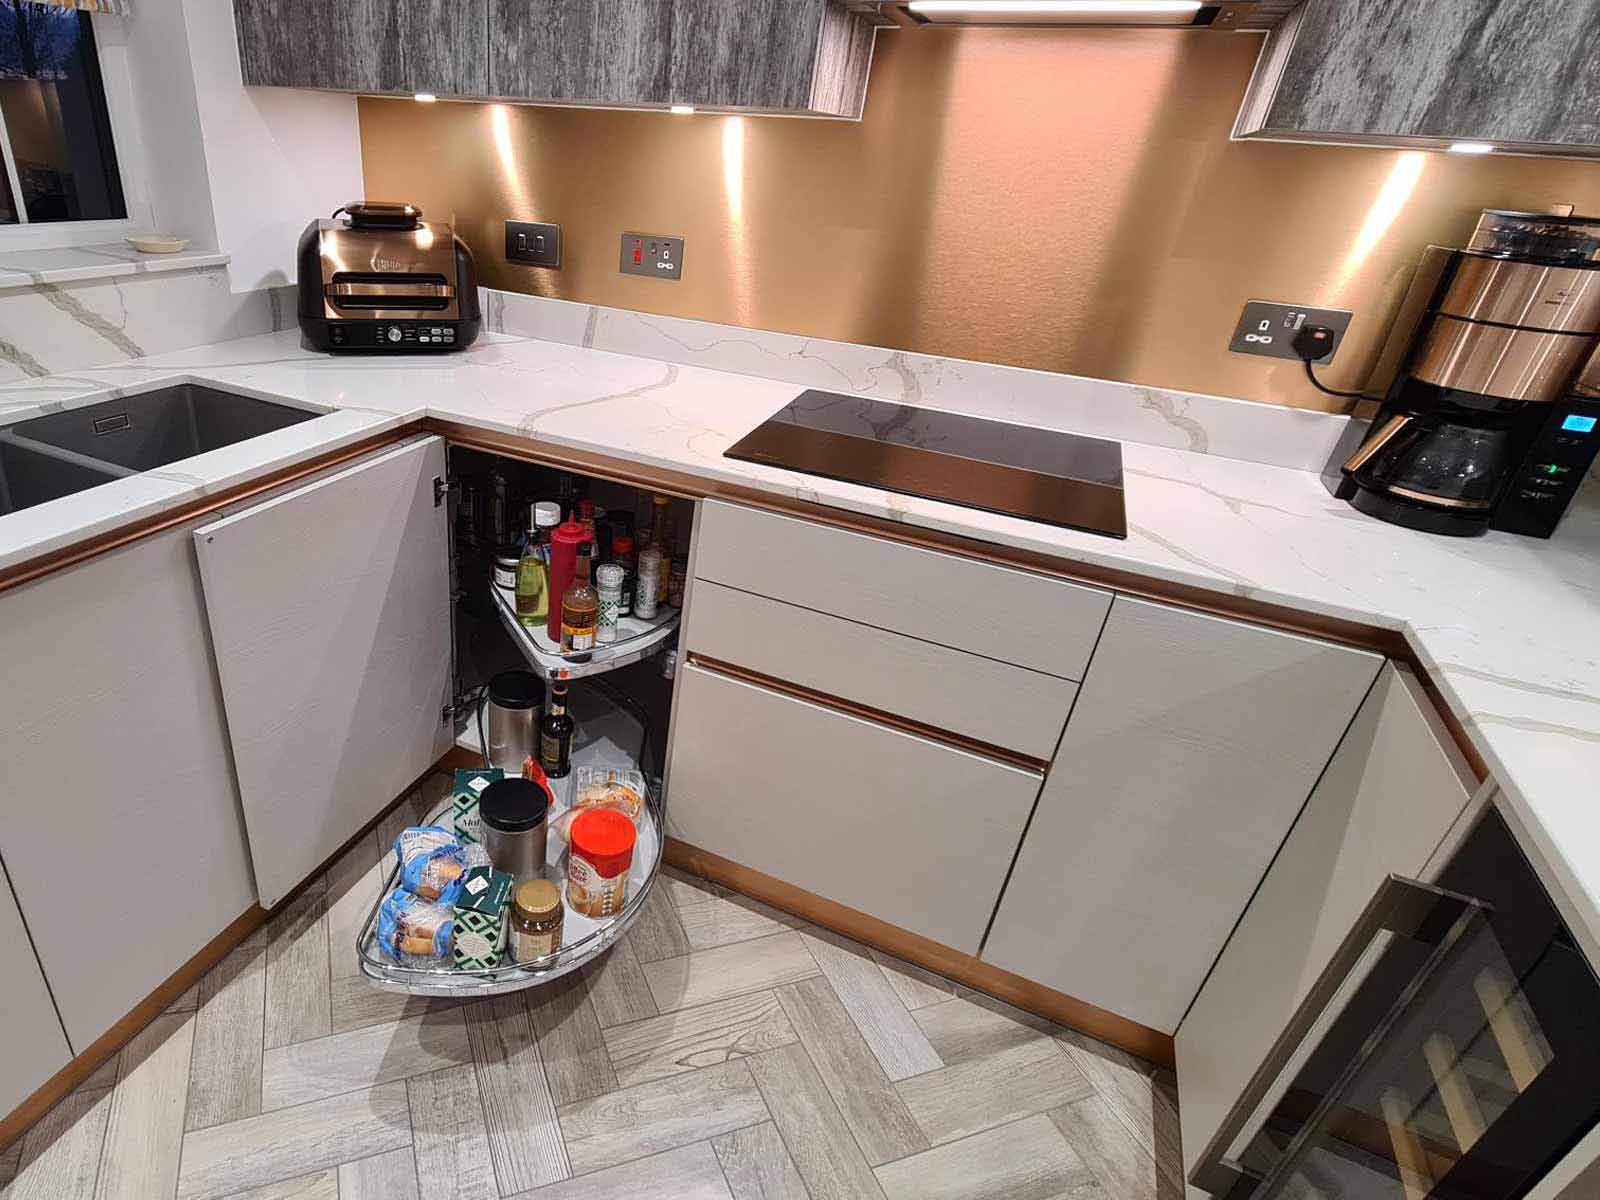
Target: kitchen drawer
933,685
998,612
908,830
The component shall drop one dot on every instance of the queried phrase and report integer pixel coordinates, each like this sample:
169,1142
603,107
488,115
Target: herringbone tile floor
722,1050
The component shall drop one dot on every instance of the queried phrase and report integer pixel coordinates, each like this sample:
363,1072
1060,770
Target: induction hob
1036,474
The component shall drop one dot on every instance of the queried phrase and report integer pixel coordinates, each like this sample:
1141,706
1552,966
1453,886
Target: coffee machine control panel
1538,494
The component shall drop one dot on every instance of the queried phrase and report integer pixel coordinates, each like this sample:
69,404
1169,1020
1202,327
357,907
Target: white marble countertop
1504,625
102,260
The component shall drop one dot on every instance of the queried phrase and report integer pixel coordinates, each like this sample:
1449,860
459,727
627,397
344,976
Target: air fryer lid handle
381,214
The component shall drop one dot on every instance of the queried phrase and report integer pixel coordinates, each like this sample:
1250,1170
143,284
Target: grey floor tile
1123,1167
324,1185
576,1064
188,1002
105,1075
656,932
519,1113
916,987
661,1115
225,1067
871,1107
985,1092
454,1161
820,1143
683,888
688,1173
61,1154
874,1006
10,1160
697,1037
297,972
757,1165
723,921
617,988
962,1030
144,1132
391,1176
363,1058
1141,1096
356,1004
293,1142
1025,1160
708,975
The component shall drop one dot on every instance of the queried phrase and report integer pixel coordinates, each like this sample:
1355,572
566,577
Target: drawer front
977,698
908,830
998,612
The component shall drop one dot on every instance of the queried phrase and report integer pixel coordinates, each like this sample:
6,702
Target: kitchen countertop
1505,626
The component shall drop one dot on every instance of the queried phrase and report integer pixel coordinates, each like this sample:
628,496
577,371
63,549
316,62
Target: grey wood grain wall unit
1193,745
33,1046
1521,74
615,51
380,46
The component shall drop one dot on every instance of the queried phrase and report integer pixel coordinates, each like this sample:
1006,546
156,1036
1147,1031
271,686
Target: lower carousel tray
607,735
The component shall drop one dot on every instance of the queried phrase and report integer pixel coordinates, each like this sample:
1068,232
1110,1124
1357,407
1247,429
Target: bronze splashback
1060,199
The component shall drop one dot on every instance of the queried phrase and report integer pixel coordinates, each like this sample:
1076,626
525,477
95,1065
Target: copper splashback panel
1495,360
1067,200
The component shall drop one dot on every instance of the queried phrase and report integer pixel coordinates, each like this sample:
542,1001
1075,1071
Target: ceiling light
424,97
1063,12
1471,148
682,110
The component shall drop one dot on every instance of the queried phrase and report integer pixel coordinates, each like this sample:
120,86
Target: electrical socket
652,255
1268,328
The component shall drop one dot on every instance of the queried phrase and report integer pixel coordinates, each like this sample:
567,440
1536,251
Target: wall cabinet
581,50
33,1045
1390,794
379,46
122,833
334,651
1192,746
1515,73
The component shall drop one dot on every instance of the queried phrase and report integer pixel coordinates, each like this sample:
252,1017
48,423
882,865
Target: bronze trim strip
389,289
1436,501
1377,441
877,716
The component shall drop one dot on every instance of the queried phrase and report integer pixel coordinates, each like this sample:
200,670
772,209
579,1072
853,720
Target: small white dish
155,243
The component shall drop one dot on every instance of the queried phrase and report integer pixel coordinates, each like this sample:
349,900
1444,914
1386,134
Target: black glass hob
1036,474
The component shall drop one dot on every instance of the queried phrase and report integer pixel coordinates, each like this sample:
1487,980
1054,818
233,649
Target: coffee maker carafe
1482,425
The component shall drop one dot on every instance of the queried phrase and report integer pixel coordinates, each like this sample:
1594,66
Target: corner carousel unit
637,639
608,735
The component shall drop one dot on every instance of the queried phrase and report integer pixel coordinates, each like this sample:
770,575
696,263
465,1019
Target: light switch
533,244
653,255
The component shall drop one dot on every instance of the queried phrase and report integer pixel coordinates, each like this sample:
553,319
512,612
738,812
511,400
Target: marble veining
1503,624
1262,433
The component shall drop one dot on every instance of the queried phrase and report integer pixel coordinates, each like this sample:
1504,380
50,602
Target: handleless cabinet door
394,46
32,1044
1193,744
330,614
1389,796
613,51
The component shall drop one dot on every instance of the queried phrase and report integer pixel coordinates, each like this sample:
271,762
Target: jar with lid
505,571
645,590
608,582
622,555
513,811
598,862
537,917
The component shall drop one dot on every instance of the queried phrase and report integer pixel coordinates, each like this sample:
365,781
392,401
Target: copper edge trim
877,716
1377,441
402,290
1437,501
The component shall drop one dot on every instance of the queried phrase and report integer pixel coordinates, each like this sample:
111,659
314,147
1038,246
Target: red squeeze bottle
564,543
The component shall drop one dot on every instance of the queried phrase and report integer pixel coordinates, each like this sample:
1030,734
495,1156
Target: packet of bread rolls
607,785
413,931
432,862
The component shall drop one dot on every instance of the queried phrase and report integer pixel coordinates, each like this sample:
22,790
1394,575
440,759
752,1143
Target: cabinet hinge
443,487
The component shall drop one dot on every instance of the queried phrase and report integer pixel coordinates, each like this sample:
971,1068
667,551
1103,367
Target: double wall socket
1268,328
652,255
534,244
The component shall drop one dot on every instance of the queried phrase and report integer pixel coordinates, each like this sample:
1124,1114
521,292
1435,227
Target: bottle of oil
580,606
555,733
533,572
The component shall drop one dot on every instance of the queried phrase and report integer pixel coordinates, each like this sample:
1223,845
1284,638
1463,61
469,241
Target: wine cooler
1451,1050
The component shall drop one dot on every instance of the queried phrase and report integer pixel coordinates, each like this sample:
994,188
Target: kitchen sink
44,458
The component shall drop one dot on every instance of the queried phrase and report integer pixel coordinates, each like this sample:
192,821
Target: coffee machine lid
1541,237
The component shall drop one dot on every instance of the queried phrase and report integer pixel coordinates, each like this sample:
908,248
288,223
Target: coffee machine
1493,417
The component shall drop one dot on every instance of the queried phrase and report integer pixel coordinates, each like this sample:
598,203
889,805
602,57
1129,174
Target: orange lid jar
601,855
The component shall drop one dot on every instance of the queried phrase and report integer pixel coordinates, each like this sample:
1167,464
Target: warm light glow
733,133
516,185
425,97
1391,200
1471,148
1047,8
682,110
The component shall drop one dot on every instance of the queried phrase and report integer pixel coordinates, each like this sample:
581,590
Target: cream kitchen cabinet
1193,745
329,609
33,1045
1394,789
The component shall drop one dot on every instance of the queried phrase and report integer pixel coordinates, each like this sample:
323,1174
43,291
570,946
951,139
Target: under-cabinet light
1471,148
1144,12
424,97
682,110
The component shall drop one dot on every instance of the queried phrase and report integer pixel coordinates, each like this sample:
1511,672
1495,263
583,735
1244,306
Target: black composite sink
44,458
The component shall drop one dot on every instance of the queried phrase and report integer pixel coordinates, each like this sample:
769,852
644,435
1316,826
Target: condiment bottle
598,861
564,543
658,522
665,545
555,733
586,517
580,606
533,572
649,583
608,583
622,555
537,916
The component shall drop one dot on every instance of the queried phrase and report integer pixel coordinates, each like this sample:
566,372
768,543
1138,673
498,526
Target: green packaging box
464,801
482,918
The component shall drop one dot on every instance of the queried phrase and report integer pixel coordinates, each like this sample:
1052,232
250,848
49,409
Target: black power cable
1313,342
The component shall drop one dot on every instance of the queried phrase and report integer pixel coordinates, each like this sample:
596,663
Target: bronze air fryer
1471,431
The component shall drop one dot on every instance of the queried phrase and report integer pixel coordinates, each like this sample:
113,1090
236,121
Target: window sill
110,260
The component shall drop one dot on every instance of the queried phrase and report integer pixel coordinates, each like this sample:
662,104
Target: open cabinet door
329,609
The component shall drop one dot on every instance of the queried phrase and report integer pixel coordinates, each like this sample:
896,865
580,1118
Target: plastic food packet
432,862
603,786
414,932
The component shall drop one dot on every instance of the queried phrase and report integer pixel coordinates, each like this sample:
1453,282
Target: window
55,130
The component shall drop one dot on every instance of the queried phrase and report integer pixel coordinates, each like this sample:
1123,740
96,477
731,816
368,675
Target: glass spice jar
537,916
608,582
